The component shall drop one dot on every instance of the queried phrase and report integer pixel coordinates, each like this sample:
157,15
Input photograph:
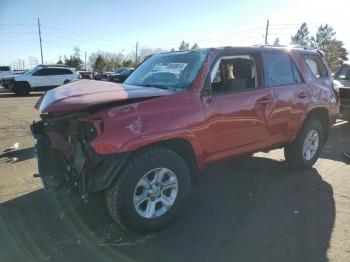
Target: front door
236,112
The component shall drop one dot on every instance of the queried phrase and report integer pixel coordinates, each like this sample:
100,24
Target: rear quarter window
316,66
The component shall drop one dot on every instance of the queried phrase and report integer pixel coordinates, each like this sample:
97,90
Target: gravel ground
246,209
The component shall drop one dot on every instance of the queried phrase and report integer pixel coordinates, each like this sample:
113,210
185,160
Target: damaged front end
65,157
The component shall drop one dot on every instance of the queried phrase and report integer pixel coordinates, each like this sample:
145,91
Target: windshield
174,70
30,71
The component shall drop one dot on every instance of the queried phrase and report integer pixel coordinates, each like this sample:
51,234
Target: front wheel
150,191
304,151
21,88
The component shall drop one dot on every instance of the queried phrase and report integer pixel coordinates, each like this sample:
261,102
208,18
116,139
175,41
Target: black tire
119,197
293,152
21,88
66,81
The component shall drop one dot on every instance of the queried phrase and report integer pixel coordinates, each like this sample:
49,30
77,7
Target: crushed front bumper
67,160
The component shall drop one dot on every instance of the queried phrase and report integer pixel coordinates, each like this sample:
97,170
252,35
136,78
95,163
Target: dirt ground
246,209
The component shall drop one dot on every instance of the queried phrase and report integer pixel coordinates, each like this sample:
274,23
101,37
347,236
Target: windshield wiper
157,86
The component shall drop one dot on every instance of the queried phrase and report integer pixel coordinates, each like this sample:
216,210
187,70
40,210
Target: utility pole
41,47
137,46
267,31
85,61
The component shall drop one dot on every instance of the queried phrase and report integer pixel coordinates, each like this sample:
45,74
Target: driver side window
234,74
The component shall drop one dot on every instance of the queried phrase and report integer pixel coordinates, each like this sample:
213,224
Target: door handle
302,94
265,100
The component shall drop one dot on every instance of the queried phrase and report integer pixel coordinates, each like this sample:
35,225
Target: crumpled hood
83,94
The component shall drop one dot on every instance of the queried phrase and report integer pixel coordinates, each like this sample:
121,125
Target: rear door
290,94
41,78
62,74
237,107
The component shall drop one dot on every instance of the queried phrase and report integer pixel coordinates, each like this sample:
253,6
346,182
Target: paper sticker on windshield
176,66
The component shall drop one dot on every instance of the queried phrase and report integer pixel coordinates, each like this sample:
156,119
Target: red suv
145,141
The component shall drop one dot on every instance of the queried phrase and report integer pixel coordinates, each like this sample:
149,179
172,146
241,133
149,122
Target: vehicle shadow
12,95
15,156
247,209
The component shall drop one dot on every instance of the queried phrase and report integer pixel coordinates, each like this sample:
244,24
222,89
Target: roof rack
287,46
53,65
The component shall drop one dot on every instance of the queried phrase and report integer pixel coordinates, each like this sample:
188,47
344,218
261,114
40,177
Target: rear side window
61,71
66,72
316,66
278,69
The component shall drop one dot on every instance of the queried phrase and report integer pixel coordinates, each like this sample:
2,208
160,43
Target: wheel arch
21,82
319,113
183,148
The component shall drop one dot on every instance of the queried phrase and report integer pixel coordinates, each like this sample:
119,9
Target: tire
66,81
122,193
294,153
21,88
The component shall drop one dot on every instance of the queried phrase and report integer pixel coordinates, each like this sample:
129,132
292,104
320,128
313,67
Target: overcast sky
116,26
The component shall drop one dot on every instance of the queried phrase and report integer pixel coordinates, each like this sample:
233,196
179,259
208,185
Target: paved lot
247,209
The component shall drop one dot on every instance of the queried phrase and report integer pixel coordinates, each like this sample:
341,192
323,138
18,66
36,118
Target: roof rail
53,65
288,46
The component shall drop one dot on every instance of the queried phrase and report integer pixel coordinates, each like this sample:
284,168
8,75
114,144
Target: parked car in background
96,76
85,75
105,75
342,83
5,71
121,74
42,77
145,141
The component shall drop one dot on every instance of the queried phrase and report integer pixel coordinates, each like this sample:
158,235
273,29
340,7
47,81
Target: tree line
324,39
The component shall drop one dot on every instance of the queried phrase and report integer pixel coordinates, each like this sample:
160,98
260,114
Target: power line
79,40
17,40
18,32
85,35
17,24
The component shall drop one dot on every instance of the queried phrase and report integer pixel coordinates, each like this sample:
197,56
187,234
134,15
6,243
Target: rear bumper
62,163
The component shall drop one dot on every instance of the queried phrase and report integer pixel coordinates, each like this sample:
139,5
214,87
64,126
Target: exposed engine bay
65,157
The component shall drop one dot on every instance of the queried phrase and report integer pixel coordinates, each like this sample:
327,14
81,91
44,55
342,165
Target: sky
116,26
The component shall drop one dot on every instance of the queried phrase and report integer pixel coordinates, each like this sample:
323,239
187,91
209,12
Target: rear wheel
150,191
304,151
21,88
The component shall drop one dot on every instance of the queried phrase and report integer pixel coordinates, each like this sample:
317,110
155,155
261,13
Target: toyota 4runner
144,142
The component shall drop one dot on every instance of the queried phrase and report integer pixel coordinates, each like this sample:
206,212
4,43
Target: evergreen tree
184,46
99,64
195,46
302,37
335,52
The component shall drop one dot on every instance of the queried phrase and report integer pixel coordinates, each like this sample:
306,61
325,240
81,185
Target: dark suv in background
342,82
